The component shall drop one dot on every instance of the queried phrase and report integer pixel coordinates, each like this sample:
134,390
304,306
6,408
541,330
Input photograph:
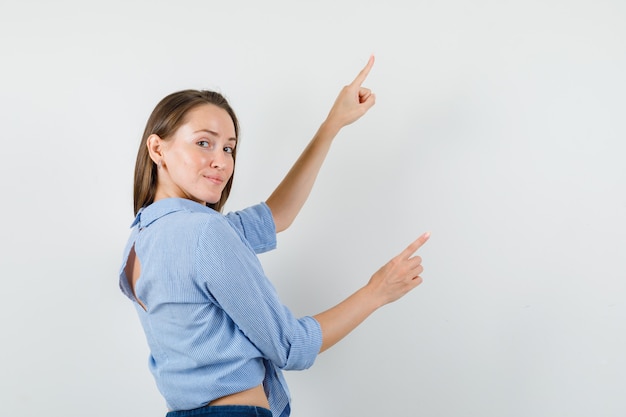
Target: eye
203,143
229,149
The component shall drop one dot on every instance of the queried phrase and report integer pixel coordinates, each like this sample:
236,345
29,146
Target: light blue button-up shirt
213,321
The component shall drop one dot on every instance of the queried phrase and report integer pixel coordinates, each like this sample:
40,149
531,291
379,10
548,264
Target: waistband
223,411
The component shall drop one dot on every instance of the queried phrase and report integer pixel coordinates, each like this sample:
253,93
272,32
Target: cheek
194,159
185,165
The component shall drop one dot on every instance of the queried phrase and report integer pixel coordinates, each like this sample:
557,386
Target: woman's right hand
398,276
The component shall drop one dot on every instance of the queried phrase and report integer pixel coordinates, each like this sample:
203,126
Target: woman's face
197,160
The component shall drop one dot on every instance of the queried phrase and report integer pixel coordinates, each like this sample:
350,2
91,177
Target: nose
219,160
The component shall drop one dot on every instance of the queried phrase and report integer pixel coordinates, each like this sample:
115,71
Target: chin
212,201
209,198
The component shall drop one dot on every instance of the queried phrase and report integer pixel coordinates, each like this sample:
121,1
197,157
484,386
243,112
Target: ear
155,148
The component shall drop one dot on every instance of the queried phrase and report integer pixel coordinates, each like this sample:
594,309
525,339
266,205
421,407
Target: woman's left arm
353,101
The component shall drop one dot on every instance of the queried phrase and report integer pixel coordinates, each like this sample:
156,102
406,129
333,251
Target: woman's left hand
353,100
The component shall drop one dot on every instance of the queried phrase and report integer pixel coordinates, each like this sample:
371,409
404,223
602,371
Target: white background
499,126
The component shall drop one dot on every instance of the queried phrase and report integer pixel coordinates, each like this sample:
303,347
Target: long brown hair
166,117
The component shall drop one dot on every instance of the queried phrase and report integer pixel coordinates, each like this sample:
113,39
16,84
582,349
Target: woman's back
211,317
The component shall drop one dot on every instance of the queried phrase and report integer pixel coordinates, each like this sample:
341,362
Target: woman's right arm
396,278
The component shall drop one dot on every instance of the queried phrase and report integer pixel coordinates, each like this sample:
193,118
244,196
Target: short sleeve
256,223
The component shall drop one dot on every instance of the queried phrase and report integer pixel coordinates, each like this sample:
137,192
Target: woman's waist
254,396
188,388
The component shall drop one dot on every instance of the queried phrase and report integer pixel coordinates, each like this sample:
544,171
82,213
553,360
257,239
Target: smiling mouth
215,180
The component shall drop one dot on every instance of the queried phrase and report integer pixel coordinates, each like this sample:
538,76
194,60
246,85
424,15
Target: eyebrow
214,134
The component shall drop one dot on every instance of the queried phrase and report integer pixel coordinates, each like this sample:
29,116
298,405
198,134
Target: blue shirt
213,321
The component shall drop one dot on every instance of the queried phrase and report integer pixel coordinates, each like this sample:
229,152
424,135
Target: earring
160,164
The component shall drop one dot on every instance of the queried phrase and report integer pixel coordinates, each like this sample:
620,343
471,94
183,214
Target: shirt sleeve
234,279
256,223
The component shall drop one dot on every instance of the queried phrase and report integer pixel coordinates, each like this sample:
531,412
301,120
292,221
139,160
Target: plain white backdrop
499,126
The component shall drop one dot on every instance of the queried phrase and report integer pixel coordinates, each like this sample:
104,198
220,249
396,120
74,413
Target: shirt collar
149,214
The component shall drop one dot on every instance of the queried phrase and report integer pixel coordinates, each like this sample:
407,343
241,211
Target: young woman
219,337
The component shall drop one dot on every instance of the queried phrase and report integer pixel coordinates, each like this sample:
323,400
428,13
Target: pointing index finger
364,72
410,250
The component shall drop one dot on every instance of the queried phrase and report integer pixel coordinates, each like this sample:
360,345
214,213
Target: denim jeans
223,411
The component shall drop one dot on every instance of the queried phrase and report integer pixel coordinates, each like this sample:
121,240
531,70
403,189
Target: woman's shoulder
177,220
181,217
176,209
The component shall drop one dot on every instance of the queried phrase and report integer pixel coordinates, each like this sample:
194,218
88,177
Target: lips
214,179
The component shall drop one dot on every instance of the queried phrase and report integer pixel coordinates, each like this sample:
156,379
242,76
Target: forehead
210,117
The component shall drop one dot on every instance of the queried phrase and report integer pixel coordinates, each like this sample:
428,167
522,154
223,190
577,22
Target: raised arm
399,276
353,101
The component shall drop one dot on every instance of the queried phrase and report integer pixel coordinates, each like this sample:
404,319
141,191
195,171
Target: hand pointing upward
353,100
